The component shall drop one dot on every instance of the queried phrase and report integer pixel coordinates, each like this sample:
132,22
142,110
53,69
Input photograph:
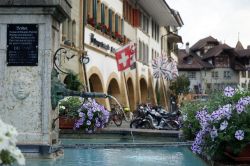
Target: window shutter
136,18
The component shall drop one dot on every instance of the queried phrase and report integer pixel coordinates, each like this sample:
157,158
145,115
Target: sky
222,19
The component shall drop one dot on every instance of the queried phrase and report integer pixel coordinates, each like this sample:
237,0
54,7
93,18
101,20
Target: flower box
243,156
66,122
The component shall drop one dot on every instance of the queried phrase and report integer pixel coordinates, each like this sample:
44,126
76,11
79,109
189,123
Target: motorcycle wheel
139,124
172,125
135,123
146,125
117,120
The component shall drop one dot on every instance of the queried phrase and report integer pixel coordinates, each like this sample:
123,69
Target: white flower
62,107
8,142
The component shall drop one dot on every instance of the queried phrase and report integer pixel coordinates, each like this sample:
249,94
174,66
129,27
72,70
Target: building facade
111,24
212,66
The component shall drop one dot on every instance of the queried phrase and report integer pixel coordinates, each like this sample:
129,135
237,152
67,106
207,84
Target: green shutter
95,10
110,20
102,14
116,23
122,24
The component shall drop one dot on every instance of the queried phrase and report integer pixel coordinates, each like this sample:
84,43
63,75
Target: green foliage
180,85
69,106
6,157
190,125
72,82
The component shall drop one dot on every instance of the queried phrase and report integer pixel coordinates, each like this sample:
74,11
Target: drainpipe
83,44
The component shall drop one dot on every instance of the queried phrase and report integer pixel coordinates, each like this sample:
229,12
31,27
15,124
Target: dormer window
189,60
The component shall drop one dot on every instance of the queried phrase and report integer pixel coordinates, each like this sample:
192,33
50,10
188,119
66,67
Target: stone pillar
25,88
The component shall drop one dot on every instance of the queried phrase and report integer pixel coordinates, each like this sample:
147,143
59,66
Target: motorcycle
141,120
155,118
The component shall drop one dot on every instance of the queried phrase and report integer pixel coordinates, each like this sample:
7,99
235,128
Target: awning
174,38
160,11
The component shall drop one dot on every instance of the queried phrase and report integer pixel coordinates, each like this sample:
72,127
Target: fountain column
29,35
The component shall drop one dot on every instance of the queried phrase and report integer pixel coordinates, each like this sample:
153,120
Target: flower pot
243,156
66,122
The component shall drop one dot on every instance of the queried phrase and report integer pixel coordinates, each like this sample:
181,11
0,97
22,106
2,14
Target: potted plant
224,126
68,111
9,153
91,116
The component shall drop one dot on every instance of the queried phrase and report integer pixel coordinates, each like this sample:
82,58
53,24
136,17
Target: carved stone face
21,89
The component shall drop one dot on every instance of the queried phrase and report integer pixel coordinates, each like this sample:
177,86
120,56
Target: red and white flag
125,56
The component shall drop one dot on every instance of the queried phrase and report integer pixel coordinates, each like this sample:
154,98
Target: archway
144,90
131,94
114,90
96,86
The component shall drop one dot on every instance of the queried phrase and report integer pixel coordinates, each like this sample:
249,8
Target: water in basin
160,156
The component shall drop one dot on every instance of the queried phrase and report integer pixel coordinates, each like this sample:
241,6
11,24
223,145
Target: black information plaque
22,44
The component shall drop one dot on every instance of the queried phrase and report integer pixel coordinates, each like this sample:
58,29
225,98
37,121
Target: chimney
187,47
248,47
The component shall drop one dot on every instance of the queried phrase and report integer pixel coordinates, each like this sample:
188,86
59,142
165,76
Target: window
143,52
215,74
249,86
69,31
189,60
243,85
144,23
243,74
155,31
140,50
248,74
131,15
192,75
227,74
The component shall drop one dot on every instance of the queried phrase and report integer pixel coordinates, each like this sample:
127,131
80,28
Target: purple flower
81,114
90,115
215,116
239,107
229,91
88,122
223,125
79,123
239,135
213,133
196,146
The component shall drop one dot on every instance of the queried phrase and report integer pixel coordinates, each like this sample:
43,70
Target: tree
180,85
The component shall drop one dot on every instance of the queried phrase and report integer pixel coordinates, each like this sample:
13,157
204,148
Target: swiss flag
125,56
